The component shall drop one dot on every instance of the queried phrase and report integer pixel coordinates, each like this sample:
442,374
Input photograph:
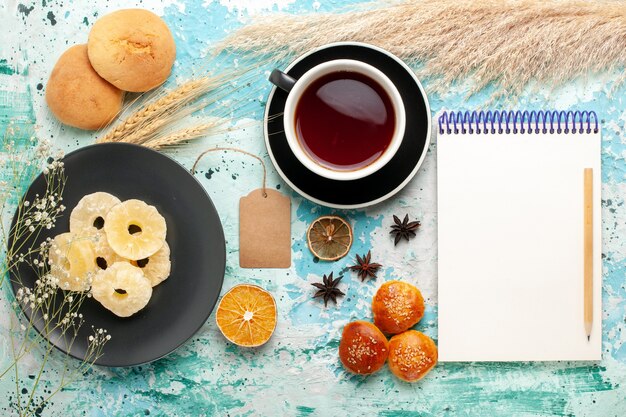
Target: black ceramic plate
180,305
380,185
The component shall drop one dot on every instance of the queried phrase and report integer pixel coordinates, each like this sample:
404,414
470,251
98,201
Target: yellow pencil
588,251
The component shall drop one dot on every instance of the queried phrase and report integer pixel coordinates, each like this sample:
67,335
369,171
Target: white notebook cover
510,230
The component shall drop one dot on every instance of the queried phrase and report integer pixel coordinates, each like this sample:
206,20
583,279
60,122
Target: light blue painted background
297,372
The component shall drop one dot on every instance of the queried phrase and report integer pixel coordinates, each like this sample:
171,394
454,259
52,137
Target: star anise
403,229
364,267
328,289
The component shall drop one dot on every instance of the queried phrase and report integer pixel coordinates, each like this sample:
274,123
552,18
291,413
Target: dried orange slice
329,237
246,315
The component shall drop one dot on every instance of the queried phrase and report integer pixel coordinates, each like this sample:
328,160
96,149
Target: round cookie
397,306
363,348
133,49
78,96
412,355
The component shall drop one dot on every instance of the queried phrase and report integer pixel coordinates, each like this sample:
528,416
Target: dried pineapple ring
72,261
156,267
135,230
90,212
122,289
104,255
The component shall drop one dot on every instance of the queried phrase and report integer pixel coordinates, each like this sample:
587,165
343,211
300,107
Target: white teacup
296,88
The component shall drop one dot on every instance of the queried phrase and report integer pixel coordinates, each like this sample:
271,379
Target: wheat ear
182,135
178,97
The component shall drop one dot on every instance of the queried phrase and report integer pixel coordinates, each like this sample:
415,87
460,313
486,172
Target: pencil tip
588,338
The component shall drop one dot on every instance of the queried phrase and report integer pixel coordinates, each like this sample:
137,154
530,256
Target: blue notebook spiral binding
482,122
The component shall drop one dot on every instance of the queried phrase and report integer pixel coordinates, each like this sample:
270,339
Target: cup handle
282,80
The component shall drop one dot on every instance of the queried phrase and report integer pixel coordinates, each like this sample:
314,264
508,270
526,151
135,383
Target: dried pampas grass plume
507,43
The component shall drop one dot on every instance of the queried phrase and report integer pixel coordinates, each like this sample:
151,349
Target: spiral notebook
510,231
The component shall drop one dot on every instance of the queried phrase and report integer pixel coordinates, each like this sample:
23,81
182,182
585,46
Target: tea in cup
343,119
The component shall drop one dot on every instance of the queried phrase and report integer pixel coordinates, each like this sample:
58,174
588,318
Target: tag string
195,164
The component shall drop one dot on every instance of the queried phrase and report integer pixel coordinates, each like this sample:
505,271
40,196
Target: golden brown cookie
133,49
412,355
78,96
397,306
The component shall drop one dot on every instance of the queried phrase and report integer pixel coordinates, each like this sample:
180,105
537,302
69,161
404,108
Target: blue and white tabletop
298,372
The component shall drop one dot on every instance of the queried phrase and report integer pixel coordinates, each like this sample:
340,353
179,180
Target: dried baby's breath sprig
507,44
51,313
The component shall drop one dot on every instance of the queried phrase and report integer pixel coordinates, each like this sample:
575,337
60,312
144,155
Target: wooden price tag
265,230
